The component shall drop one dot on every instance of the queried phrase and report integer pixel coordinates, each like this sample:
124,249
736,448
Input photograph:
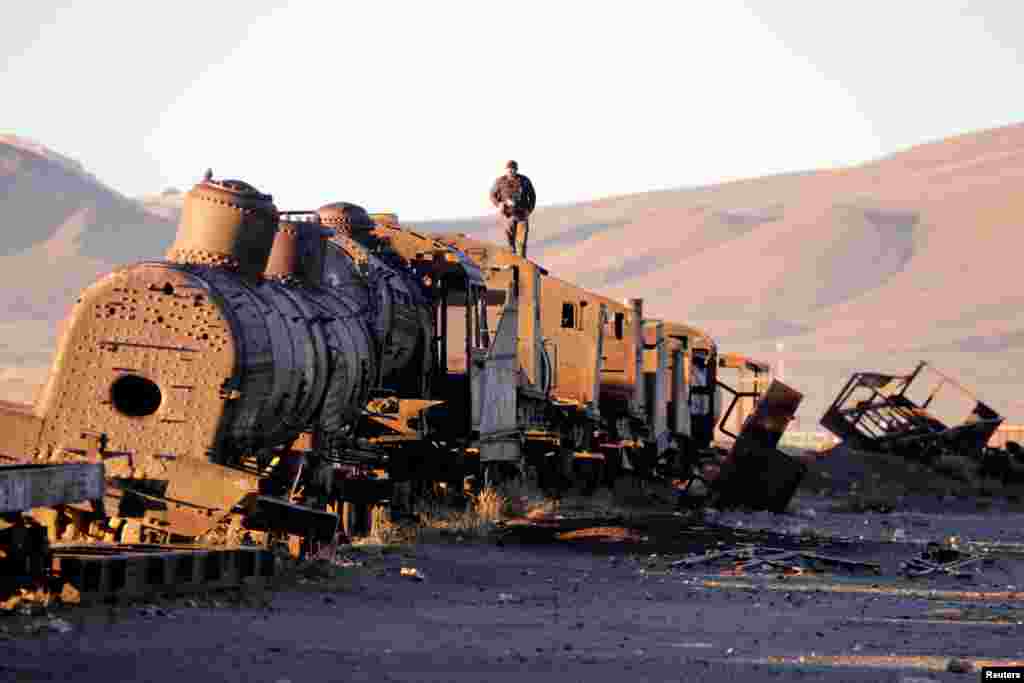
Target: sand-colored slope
60,228
40,191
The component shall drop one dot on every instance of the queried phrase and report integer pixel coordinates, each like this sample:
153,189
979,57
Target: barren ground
579,598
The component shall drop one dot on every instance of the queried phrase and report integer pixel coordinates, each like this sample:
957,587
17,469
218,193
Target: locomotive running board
86,574
23,487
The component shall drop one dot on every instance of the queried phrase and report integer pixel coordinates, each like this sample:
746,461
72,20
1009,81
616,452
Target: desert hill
60,228
909,257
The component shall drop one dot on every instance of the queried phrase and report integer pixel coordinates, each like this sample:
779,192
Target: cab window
569,315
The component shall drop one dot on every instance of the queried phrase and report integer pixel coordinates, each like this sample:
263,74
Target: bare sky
415,106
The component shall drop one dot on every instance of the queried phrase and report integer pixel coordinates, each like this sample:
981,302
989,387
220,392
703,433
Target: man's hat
512,164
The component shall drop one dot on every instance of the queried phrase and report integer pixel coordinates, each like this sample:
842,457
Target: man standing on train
514,197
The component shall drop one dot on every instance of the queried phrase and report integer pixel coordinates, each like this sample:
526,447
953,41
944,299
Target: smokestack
298,253
228,224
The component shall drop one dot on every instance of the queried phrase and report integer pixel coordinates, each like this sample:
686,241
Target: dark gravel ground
548,610
606,606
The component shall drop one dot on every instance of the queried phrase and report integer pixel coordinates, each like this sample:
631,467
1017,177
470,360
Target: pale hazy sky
415,106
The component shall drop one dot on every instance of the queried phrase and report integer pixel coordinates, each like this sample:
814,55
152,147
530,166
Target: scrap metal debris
754,474
604,534
413,573
874,412
936,558
792,562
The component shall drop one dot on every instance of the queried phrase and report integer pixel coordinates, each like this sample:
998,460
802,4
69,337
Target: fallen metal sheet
94,573
756,474
23,487
874,412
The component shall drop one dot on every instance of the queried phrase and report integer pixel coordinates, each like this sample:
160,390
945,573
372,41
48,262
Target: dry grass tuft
522,496
484,510
27,600
384,532
476,520
488,505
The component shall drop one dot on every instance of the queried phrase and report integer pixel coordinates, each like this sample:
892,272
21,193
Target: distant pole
780,347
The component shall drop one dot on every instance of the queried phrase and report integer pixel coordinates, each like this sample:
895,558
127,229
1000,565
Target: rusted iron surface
93,573
875,411
23,487
756,474
753,473
228,224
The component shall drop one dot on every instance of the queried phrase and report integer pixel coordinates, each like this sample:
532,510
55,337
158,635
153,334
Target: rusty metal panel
499,438
351,357
755,473
476,371
529,323
158,326
679,421
659,411
23,487
226,223
765,479
595,387
772,414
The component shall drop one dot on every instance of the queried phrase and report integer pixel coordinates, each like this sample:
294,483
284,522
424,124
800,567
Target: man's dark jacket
519,188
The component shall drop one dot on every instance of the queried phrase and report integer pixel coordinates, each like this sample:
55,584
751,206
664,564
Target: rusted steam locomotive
279,369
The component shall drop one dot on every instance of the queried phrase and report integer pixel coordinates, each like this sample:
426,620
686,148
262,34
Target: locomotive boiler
191,377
